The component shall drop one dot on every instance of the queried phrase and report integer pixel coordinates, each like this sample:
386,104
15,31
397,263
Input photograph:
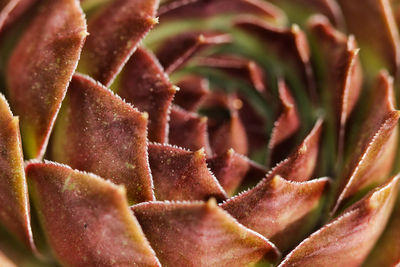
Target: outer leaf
87,219
287,124
343,74
300,165
200,234
188,130
176,50
347,240
372,161
115,32
182,175
41,67
14,211
181,9
144,84
100,133
378,36
192,90
278,209
231,169
387,250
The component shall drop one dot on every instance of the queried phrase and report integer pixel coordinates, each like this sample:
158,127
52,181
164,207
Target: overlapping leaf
87,219
40,68
200,234
144,84
14,211
348,239
115,32
100,133
192,90
372,160
182,175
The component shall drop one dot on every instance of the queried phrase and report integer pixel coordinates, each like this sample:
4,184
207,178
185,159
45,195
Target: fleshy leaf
100,133
192,90
372,160
144,84
237,67
289,44
231,169
14,211
286,126
343,74
41,67
387,250
347,240
115,32
279,209
179,174
200,234
378,37
181,9
6,7
6,262
300,165
188,130
87,219
176,50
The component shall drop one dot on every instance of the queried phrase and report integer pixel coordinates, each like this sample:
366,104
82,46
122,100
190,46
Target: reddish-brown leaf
231,169
41,67
179,174
181,9
237,67
300,165
6,7
288,44
115,32
144,84
188,130
347,240
343,74
86,219
100,133
176,50
200,234
372,160
192,90
378,36
279,209
14,211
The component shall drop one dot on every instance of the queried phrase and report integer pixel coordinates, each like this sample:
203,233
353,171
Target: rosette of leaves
199,133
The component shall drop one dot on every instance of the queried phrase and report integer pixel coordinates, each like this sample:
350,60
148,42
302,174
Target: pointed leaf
100,133
343,74
87,219
188,130
285,127
181,9
176,50
144,84
115,32
192,90
347,240
279,209
41,67
231,169
372,161
200,234
300,165
237,67
14,211
378,37
179,174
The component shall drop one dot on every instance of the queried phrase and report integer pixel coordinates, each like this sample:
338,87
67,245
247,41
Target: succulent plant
194,133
